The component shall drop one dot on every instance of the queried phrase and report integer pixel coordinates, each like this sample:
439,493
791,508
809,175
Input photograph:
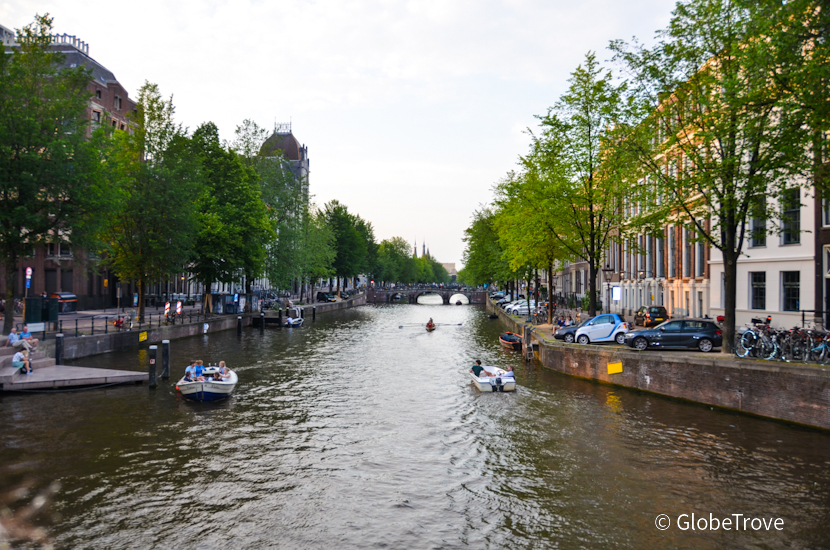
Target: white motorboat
298,322
209,389
499,382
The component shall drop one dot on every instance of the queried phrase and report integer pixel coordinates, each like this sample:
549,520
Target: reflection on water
354,433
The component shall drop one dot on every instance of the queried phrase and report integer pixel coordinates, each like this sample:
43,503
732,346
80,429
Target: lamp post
607,272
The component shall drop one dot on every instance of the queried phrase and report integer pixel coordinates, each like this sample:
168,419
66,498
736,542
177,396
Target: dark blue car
701,334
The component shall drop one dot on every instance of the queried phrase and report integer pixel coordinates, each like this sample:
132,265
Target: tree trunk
550,293
730,276
11,284
592,289
140,284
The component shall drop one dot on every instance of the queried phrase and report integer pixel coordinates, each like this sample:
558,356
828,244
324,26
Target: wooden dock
47,375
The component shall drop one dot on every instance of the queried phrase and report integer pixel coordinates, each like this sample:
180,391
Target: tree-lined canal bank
354,433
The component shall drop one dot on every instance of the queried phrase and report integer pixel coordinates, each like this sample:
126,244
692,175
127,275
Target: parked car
325,297
521,308
568,334
702,334
608,327
650,315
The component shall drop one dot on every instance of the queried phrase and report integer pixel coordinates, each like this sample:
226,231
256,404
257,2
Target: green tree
393,257
350,244
153,233
570,174
711,131
52,184
484,258
234,222
317,250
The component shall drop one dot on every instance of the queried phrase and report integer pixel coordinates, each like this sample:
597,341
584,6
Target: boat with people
293,323
430,325
211,385
511,340
498,382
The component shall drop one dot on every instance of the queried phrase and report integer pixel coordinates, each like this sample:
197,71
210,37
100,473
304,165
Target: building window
98,94
661,268
758,289
791,216
687,253
116,102
825,212
96,116
672,253
758,232
700,258
791,294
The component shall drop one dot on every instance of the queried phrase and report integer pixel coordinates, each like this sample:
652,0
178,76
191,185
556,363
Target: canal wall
83,346
783,391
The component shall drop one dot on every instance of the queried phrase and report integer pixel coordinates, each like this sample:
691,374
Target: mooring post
314,313
261,321
279,318
165,359
92,326
153,381
76,327
59,349
239,325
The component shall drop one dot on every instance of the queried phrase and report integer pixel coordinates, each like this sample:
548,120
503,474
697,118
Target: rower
430,324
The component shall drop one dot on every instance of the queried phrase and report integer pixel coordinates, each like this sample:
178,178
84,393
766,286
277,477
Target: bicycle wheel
766,348
824,354
744,344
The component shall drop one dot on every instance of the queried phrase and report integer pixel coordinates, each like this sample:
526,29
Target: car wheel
620,338
640,343
569,338
583,339
705,345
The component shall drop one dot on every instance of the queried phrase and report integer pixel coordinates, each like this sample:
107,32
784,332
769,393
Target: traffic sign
28,272
166,309
178,308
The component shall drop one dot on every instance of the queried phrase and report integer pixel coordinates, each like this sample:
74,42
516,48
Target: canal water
353,432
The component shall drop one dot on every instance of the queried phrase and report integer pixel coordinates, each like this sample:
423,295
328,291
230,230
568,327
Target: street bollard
76,327
106,326
239,325
92,326
60,325
165,359
153,366
314,313
59,349
279,318
261,322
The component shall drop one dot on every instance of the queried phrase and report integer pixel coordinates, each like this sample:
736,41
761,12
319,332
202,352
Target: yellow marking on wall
142,336
615,368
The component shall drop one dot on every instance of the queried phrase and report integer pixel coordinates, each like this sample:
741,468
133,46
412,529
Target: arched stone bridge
379,296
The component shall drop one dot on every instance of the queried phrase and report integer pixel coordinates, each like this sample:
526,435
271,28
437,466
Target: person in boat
198,372
191,368
188,376
224,371
289,320
509,373
479,370
430,324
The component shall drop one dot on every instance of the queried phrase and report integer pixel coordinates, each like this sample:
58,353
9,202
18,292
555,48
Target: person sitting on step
21,361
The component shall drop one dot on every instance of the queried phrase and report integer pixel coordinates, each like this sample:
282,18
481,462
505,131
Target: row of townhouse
784,271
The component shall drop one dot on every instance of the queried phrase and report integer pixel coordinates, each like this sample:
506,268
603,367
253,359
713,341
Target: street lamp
607,272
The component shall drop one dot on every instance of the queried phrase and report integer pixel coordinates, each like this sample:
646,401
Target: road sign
135,300
166,309
28,272
178,308
236,297
28,282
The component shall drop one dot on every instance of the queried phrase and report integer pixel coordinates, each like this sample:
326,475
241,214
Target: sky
411,110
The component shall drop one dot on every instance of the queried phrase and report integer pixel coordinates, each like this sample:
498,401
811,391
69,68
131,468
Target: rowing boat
511,340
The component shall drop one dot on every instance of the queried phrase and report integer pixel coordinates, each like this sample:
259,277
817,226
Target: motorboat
511,340
208,390
499,382
298,322
458,302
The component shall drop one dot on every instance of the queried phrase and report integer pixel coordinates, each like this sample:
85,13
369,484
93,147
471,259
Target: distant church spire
424,249
415,251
